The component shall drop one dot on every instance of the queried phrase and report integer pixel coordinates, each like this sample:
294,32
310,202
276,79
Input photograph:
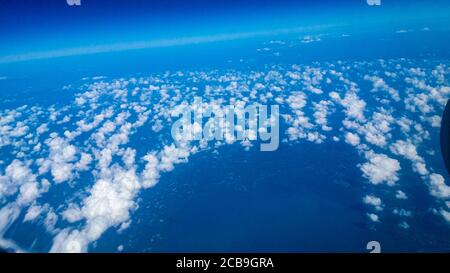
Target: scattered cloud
89,143
373,201
380,169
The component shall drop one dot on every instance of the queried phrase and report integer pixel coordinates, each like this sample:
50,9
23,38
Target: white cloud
128,157
404,225
70,242
59,162
409,151
18,175
109,204
437,186
171,155
320,114
72,214
28,192
446,215
8,214
150,174
297,100
33,212
376,131
435,121
406,149
380,168
401,195
42,128
19,130
373,217
402,212
420,168
50,221
380,85
310,39
83,163
373,201
405,124
354,106
352,139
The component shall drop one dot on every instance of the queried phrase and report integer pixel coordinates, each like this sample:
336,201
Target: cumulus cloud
321,112
69,242
380,169
400,195
402,212
18,176
354,106
150,174
380,85
8,214
310,39
437,186
403,225
42,128
373,201
373,217
352,139
28,192
109,204
377,130
83,163
60,159
406,149
171,155
445,214
50,221
34,211
409,151
72,214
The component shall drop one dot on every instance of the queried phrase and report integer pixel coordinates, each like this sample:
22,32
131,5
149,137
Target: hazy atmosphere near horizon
223,126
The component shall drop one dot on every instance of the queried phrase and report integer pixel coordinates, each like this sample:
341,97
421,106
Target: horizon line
158,43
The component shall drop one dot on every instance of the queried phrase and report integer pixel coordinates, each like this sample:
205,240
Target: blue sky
32,26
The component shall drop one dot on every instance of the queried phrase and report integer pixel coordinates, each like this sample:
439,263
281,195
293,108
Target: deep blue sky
29,25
